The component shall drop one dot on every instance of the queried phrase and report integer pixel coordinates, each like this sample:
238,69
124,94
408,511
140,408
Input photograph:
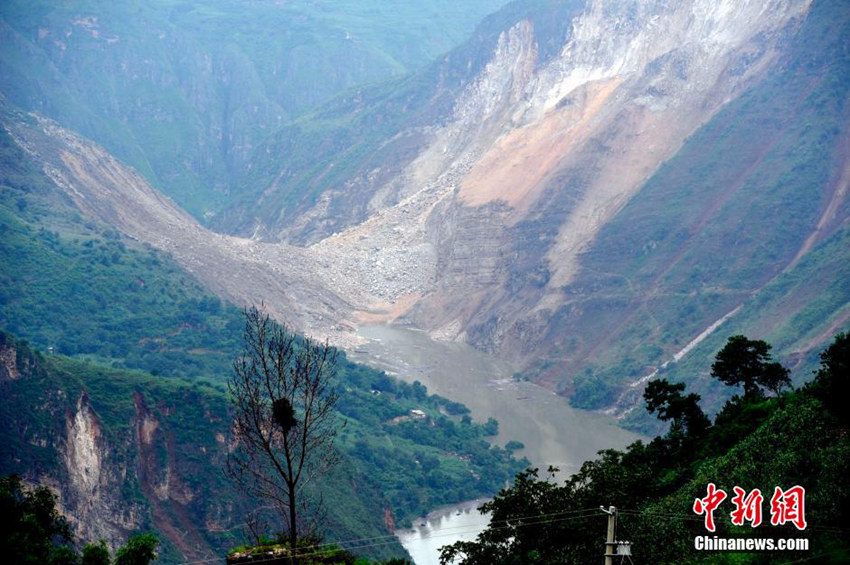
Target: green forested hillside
82,289
182,90
756,442
389,472
132,332
797,310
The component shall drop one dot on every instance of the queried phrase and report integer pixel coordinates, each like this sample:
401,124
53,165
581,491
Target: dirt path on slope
840,188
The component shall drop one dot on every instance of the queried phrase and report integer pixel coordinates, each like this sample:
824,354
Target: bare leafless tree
282,393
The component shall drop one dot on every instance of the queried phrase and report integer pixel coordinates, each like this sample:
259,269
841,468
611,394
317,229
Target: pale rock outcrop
8,363
478,236
92,497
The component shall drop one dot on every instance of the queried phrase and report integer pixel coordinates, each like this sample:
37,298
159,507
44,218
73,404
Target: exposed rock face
117,465
85,452
160,478
8,362
591,126
678,65
120,467
160,481
482,237
93,489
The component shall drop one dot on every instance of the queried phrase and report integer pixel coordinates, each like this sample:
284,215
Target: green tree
667,399
139,550
63,555
96,554
832,381
519,531
747,362
491,427
34,532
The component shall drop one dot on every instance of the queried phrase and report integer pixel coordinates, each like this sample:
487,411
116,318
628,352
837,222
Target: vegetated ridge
583,190
133,430
759,447
185,91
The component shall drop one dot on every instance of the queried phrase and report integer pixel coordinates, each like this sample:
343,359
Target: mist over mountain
184,91
582,190
597,192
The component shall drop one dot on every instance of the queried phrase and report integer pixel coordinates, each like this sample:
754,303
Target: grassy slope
182,90
791,312
88,292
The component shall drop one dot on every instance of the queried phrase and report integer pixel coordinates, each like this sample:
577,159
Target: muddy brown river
552,431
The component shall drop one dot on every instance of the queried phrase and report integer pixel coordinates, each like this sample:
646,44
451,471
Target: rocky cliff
584,198
523,221
92,494
117,466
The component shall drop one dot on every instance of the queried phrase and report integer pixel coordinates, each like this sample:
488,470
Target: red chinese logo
747,508
708,504
789,506
785,506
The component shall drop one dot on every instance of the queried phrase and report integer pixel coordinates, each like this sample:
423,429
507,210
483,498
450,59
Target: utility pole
612,527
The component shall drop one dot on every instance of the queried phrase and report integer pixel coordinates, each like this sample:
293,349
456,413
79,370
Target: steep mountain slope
139,306
587,191
184,90
128,450
107,442
579,162
741,203
344,161
580,213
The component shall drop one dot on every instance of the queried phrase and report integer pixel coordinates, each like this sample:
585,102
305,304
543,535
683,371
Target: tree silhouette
667,399
35,532
284,424
832,383
747,362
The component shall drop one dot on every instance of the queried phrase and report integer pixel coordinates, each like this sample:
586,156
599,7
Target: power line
662,515
491,524
378,541
523,522
494,525
509,523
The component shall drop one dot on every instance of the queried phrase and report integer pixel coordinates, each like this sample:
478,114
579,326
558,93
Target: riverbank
444,526
553,432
